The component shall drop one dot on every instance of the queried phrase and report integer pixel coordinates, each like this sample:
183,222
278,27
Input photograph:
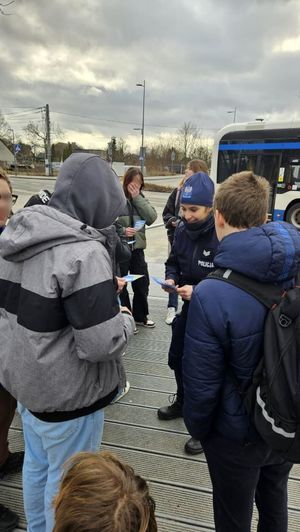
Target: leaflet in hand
139,224
130,278
163,284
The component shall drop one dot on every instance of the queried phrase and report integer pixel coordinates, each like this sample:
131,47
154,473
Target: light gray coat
61,331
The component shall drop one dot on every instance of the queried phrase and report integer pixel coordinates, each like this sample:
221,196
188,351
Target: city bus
269,149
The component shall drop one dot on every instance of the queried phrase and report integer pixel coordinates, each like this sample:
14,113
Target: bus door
290,173
268,166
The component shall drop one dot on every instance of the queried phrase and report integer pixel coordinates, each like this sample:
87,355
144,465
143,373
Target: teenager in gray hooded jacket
62,334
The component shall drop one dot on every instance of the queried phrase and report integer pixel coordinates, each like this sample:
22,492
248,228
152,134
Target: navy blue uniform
190,261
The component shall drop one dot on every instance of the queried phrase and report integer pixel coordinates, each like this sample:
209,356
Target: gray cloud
200,58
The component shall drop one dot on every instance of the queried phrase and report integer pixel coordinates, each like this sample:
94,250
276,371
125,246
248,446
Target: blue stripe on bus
278,215
260,146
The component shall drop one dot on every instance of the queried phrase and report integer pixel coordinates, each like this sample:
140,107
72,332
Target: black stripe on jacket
34,312
83,309
93,305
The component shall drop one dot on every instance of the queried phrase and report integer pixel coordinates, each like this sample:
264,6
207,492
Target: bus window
295,175
231,162
268,166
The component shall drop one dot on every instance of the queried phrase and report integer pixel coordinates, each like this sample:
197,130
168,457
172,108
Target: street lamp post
142,154
14,149
234,113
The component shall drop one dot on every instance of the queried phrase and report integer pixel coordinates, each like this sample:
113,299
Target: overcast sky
200,59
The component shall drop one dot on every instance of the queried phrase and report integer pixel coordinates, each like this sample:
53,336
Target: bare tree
4,127
159,154
122,149
187,137
37,135
2,12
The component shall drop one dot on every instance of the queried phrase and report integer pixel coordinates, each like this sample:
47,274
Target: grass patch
151,187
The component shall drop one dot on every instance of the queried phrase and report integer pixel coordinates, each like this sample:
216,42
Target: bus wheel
293,215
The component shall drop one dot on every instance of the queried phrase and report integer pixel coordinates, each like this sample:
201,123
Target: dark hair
128,177
100,492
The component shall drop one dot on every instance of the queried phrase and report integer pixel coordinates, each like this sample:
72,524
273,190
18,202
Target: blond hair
195,165
198,165
243,200
100,492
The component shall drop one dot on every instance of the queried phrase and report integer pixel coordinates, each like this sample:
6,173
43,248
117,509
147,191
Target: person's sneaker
8,519
13,464
149,324
135,330
171,313
172,411
120,394
193,446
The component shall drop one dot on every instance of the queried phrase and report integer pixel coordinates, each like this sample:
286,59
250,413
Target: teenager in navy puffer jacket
226,321
225,329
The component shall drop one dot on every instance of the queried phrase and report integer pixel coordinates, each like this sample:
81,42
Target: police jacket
193,250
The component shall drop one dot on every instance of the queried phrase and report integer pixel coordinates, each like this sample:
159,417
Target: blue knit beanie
198,190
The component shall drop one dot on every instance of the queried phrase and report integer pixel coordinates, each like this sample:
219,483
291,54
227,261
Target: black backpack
273,398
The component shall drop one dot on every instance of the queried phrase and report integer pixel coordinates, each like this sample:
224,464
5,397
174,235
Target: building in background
6,156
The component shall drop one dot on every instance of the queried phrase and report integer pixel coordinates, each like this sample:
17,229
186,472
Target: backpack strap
268,294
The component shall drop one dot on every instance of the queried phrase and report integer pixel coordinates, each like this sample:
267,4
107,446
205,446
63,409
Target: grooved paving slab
164,442
147,398
151,354
17,422
154,343
176,471
195,507
294,494
130,437
182,505
295,473
148,382
144,367
164,526
12,498
161,328
145,417
179,483
140,438
181,471
160,441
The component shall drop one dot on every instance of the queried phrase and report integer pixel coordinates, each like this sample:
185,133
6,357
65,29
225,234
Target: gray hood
89,190
35,229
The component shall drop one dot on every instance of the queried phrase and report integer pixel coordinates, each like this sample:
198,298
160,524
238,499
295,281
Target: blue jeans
47,447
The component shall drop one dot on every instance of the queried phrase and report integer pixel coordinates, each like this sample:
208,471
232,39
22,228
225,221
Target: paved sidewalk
180,484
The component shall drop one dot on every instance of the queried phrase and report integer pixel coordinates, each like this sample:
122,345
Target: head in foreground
99,492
